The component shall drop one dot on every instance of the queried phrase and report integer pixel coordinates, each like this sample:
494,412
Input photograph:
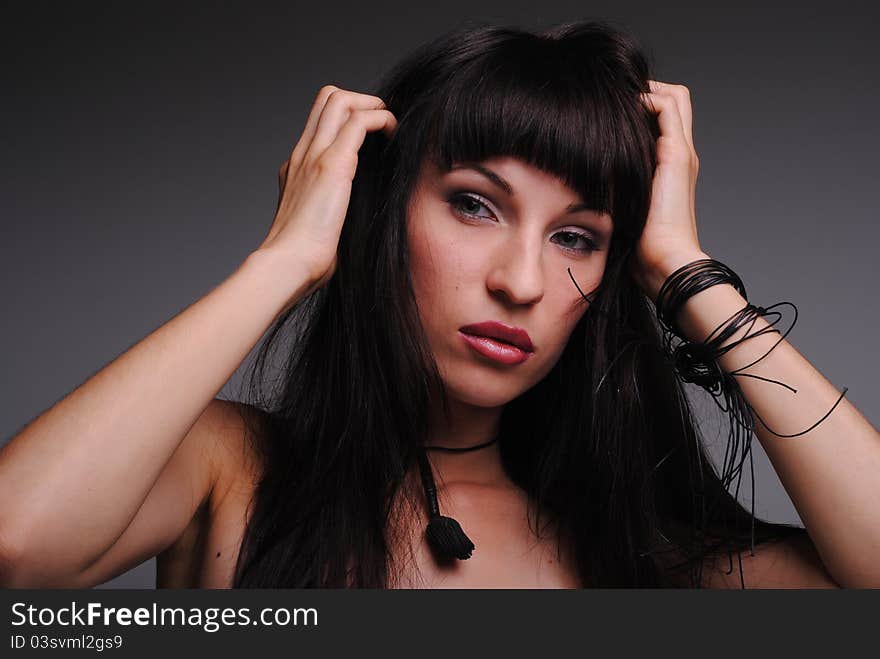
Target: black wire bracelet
697,362
686,282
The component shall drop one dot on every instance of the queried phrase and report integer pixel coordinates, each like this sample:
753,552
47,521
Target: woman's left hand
669,239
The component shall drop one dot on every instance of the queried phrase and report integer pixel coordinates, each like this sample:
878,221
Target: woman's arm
74,480
832,472
84,474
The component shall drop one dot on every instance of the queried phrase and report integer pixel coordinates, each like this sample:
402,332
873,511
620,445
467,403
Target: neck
467,425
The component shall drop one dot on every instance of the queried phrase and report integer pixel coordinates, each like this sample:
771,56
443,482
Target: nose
517,271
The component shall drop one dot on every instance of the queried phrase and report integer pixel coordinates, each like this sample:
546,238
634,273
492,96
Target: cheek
439,265
434,277
566,307
556,337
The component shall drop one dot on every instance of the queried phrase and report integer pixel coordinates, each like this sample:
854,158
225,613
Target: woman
538,188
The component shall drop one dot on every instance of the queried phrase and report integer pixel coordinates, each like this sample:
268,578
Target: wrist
656,275
282,279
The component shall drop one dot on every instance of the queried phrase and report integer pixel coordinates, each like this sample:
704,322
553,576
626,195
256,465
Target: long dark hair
606,443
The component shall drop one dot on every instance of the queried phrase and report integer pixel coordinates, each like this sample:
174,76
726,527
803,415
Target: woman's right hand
315,181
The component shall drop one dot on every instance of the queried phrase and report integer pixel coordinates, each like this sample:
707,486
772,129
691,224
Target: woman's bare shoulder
237,457
204,555
789,562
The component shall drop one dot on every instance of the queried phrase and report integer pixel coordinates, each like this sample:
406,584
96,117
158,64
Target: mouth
499,342
496,350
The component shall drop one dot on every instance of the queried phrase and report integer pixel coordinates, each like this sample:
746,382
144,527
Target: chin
484,390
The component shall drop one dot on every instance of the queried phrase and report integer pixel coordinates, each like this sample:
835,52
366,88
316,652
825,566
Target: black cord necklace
454,449
445,535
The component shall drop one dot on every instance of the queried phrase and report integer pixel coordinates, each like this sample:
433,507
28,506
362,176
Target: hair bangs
530,101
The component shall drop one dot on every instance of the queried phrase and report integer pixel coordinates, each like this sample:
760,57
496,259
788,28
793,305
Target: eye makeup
466,204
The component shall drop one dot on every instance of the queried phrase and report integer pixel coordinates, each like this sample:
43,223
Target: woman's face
499,251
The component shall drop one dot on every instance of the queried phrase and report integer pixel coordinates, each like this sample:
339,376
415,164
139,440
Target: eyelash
455,199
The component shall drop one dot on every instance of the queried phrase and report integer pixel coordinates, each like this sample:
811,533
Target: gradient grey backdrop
140,146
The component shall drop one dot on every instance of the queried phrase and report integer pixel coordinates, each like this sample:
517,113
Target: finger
682,97
336,112
668,118
351,136
311,125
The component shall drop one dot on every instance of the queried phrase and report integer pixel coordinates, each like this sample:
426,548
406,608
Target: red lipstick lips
499,342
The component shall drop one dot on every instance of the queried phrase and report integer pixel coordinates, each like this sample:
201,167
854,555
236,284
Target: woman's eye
467,205
571,238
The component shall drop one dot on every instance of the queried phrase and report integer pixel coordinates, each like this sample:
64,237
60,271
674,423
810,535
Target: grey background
140,146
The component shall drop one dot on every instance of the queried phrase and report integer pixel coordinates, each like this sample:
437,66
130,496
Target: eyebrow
504,185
